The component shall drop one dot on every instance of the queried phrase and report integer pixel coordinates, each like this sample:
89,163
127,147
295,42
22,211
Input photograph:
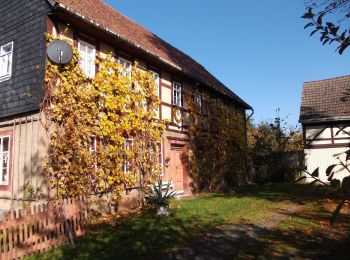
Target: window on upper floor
127,66
155,76
198,101
127,146
177,89
6,53
88,55
5,142
93,144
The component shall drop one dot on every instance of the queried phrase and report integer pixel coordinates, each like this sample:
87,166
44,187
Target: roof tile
109,18
326,99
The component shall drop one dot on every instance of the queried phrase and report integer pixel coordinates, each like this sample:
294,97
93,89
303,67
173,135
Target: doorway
179,166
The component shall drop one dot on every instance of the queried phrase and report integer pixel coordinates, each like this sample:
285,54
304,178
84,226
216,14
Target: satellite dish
60,52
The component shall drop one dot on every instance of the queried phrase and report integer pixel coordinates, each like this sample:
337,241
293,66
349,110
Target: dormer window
6,53
88,56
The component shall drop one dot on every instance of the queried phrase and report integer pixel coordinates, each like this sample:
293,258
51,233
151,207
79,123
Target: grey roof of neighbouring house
326,100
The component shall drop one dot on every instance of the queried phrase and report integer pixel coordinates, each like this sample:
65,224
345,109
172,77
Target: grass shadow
137,236
144,236
248,241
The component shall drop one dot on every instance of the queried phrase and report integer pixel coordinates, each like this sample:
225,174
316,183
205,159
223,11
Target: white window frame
6,59
93,144
126,165
156,81
127,66
2,153
177,94
89,69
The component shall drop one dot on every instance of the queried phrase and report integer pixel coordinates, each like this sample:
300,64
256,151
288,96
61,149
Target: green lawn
143,235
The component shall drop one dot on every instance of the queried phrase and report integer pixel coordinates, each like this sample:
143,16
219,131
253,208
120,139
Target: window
156,81
6,52
177,94
127,147
136,84
198,101
159,155
4,160
88,55
93,144
127,67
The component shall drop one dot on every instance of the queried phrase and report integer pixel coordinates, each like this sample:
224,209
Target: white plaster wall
312,131
323,158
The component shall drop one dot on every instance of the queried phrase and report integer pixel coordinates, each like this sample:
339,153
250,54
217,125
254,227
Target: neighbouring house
95,28
325,117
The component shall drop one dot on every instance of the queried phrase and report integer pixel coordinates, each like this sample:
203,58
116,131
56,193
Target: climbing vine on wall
218,145
104,135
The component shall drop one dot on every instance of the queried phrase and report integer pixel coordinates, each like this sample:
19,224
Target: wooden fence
42,227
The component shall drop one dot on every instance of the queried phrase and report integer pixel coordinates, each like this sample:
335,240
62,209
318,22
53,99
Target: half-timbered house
94,28
325,117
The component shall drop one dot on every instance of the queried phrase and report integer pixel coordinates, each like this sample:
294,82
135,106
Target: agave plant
159,197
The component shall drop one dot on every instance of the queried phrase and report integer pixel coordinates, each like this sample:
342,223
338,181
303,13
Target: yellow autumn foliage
103,133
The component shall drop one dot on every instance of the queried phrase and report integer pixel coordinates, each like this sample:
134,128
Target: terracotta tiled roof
327,99
108,18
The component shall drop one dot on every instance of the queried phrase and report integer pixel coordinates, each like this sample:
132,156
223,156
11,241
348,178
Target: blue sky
259,49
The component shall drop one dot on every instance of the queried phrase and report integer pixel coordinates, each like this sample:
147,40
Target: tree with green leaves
269,143
329,18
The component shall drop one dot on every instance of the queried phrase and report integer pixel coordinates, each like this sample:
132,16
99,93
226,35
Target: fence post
31,231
